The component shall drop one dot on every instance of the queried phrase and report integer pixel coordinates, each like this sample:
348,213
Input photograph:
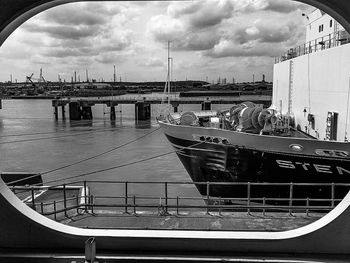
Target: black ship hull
238,161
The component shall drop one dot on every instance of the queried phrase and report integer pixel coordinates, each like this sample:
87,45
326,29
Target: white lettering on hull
319,168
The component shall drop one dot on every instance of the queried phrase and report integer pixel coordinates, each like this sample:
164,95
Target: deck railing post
208,196
65,200
177,205
264,204
54,209
92,202
166,196
307,205
134,199
33,199
332,203
248,198
290,198
77,200
85,193
42,208
126,197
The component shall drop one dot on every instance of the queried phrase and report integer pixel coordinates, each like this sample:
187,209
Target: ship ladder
290,91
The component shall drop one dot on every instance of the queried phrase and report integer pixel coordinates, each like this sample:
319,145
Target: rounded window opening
81,87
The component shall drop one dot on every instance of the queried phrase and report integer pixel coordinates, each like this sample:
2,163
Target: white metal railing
329,41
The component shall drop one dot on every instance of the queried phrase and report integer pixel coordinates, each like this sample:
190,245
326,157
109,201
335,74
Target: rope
60,136
117,166
83,160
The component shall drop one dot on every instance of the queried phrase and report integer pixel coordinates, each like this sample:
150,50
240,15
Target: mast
168,76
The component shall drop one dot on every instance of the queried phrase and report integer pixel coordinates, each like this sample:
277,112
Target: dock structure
81,108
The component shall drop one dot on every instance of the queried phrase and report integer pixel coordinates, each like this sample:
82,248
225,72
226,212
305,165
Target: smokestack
75,77
114,76
87,76
263,80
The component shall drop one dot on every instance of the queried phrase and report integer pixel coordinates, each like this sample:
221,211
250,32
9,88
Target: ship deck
228,221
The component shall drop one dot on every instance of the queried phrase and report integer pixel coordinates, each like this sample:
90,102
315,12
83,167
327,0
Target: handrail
335,39
166,203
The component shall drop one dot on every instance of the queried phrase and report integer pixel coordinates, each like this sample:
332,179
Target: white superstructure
320,25
312,82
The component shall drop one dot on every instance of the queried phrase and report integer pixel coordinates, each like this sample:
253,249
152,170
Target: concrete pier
74,111
142,110
81,108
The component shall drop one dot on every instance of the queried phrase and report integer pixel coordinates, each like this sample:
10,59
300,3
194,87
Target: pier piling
142,111
86,113
113,116
74,111
55,112
63,112
206,105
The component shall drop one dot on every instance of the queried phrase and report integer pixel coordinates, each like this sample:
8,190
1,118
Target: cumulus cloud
265,33
228,48
211,13
201,14
108,58
88,14
282,6
152,62
64,32
165,28
206,34
197,41
222,27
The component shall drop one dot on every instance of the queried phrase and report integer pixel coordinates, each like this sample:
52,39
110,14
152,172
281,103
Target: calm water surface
32,140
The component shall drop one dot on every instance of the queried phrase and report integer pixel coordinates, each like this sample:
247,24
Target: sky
208,40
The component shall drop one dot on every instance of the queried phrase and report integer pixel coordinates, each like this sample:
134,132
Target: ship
301,138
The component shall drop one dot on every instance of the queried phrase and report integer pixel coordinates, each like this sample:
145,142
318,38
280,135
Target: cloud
228,48
282,6
205,36
197,41
108,58
202,14
87,14
164,28
63,32
211,14
152,62
265,33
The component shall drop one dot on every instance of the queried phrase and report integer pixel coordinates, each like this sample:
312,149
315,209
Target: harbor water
31,140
